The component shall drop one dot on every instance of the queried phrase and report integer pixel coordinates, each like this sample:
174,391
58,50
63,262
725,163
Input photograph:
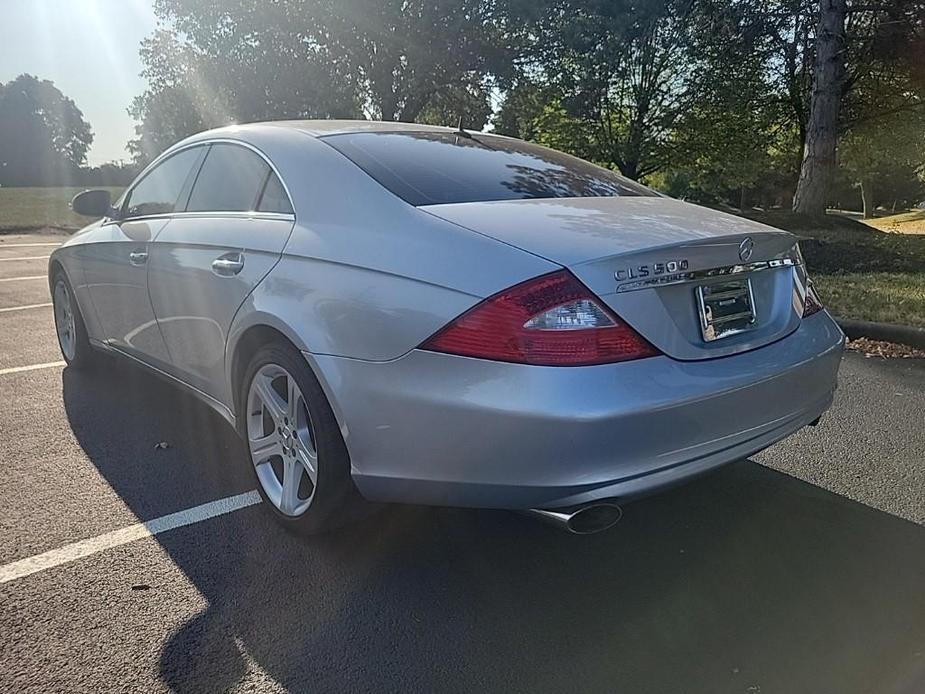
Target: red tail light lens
812,304
552,320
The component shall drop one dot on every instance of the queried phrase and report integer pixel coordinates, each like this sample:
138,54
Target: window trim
263,190
206,145
150,169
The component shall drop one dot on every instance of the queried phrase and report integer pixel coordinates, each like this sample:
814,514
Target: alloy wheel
65,324
281,440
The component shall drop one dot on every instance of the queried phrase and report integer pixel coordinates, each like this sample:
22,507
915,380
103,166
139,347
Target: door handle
138,258
228,265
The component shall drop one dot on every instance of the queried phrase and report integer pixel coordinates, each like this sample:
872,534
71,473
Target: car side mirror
93,203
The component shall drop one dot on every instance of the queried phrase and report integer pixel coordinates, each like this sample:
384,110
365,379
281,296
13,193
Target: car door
115,265
203,264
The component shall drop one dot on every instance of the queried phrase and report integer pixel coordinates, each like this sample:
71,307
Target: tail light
552,320
811,304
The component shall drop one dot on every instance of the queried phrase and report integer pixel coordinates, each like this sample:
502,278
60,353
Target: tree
857,45
722,144
520,108
43,135
409,52
237,61
885,159
621,67
465,104
822,129
219,63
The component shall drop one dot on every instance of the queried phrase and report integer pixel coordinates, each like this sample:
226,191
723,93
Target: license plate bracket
726,308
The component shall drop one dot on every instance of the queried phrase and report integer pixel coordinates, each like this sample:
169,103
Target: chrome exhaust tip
582,520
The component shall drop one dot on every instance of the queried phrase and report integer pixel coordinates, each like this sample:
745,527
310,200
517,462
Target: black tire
335,500
83,356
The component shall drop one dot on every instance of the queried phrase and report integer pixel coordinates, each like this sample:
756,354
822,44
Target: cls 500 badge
667,268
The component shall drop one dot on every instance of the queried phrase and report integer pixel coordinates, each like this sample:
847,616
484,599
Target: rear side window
158,191
230,180
428,168
274,198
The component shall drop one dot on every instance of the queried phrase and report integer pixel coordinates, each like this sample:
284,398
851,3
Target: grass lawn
33,208
912,222
860,272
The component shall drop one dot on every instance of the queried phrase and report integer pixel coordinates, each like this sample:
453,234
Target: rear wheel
296,450
69,324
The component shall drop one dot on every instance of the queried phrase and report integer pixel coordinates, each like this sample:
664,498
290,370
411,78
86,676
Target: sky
89,49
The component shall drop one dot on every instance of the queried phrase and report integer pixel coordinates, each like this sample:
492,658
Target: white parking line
27,257
123,536
24,245
31,367
23,308
19,279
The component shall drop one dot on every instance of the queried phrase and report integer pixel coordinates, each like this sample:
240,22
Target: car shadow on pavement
746,580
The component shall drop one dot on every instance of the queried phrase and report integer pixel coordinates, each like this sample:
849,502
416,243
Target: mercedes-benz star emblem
746,248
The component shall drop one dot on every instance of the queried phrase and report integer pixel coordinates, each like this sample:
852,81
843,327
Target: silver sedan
396,312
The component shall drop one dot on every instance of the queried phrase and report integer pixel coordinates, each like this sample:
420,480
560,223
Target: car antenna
460,131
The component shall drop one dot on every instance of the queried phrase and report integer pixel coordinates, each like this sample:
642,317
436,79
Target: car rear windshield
430,168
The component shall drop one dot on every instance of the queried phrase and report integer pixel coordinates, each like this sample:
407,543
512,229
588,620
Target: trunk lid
671,270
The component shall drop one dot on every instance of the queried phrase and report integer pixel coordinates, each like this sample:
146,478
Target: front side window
230,180
158,191
430,168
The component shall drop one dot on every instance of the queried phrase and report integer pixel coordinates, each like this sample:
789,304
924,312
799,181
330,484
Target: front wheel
296,450
69,324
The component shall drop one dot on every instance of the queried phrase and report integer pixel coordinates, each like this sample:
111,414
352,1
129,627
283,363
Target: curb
887,332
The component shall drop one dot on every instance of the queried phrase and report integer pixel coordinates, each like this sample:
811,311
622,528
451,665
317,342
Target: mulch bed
885,350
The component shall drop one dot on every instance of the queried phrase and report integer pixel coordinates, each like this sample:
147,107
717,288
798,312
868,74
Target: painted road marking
123,536
23,308
24,245
31,367
19,279
27,257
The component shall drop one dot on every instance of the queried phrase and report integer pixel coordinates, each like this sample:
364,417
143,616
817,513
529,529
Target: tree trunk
741,198
867,197
828,80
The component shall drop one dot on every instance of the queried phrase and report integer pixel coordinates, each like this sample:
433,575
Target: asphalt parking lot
802,570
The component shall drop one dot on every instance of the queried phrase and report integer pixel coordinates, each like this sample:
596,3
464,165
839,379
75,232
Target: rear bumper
438,429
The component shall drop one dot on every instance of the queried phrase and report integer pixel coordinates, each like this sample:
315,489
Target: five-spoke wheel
281,441
296,448
65,324
69,325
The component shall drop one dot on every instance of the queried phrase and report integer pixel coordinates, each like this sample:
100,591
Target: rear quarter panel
380,295
365,275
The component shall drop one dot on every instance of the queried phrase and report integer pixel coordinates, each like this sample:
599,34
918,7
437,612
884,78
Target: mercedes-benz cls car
402,313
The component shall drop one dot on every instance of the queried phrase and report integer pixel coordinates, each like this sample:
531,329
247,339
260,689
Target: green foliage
621,68
883,155
466,104
43,135
240,61
705,99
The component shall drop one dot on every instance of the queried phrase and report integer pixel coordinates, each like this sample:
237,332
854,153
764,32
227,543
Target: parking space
30,265
799,571
28,337
17,295
23,255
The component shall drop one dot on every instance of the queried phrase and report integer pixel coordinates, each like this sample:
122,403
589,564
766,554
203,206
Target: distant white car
416,314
